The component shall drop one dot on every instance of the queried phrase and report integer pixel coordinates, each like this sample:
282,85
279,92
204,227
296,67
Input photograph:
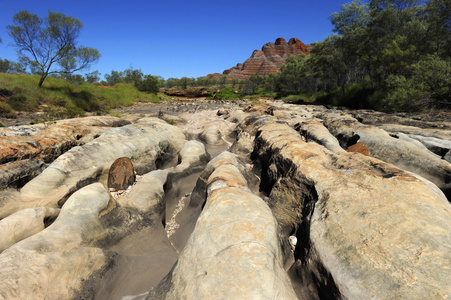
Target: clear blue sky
179,38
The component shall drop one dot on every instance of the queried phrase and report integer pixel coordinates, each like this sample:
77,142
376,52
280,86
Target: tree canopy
50,46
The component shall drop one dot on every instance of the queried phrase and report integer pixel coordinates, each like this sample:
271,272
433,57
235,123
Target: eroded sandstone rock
366,228
53,263
16,173
47,143
25,223
147,144
235,238
403,154
26,148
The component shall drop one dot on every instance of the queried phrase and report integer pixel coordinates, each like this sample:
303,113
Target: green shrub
429,86
226,93
149,84
6,111
355,96
115,114
300,98
85,100
23,103
169,121
74,111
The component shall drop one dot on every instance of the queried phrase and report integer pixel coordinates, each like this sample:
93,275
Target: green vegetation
169,121
59,98
6,111
226,93
41,48
391,55
116,114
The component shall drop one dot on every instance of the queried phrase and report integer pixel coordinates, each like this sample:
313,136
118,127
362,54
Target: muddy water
143,259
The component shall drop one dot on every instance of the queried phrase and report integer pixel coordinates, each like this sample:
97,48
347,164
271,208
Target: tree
149,84
92,77
114,78
293,76
222,81
50,42
352,16
7,66
133,76
438,16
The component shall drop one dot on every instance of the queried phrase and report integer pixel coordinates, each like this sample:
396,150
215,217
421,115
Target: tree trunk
43,76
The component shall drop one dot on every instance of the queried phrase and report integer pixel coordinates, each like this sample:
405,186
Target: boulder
359,147
121,174
235,238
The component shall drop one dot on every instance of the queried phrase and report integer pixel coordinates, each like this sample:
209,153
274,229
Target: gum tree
50,45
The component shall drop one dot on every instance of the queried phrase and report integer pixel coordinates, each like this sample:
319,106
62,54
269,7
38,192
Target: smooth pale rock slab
314,130
54,263
193,158
233,252
147,194
23,224
121,174
435,145
401,153
405,137
443,134
376,232
145,143
211,135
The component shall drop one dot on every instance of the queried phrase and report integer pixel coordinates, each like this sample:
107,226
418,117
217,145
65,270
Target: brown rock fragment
121,174
359,148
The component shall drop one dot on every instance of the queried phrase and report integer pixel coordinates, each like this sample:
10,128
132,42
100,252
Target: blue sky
179,38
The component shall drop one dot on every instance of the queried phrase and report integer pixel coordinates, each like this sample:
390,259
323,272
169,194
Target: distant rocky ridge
267,60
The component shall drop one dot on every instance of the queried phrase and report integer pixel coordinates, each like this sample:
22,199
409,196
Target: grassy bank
59,98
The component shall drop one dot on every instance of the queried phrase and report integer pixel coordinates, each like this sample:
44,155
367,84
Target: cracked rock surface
218,200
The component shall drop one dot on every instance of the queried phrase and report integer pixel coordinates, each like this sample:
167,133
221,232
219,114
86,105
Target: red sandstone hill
266,61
